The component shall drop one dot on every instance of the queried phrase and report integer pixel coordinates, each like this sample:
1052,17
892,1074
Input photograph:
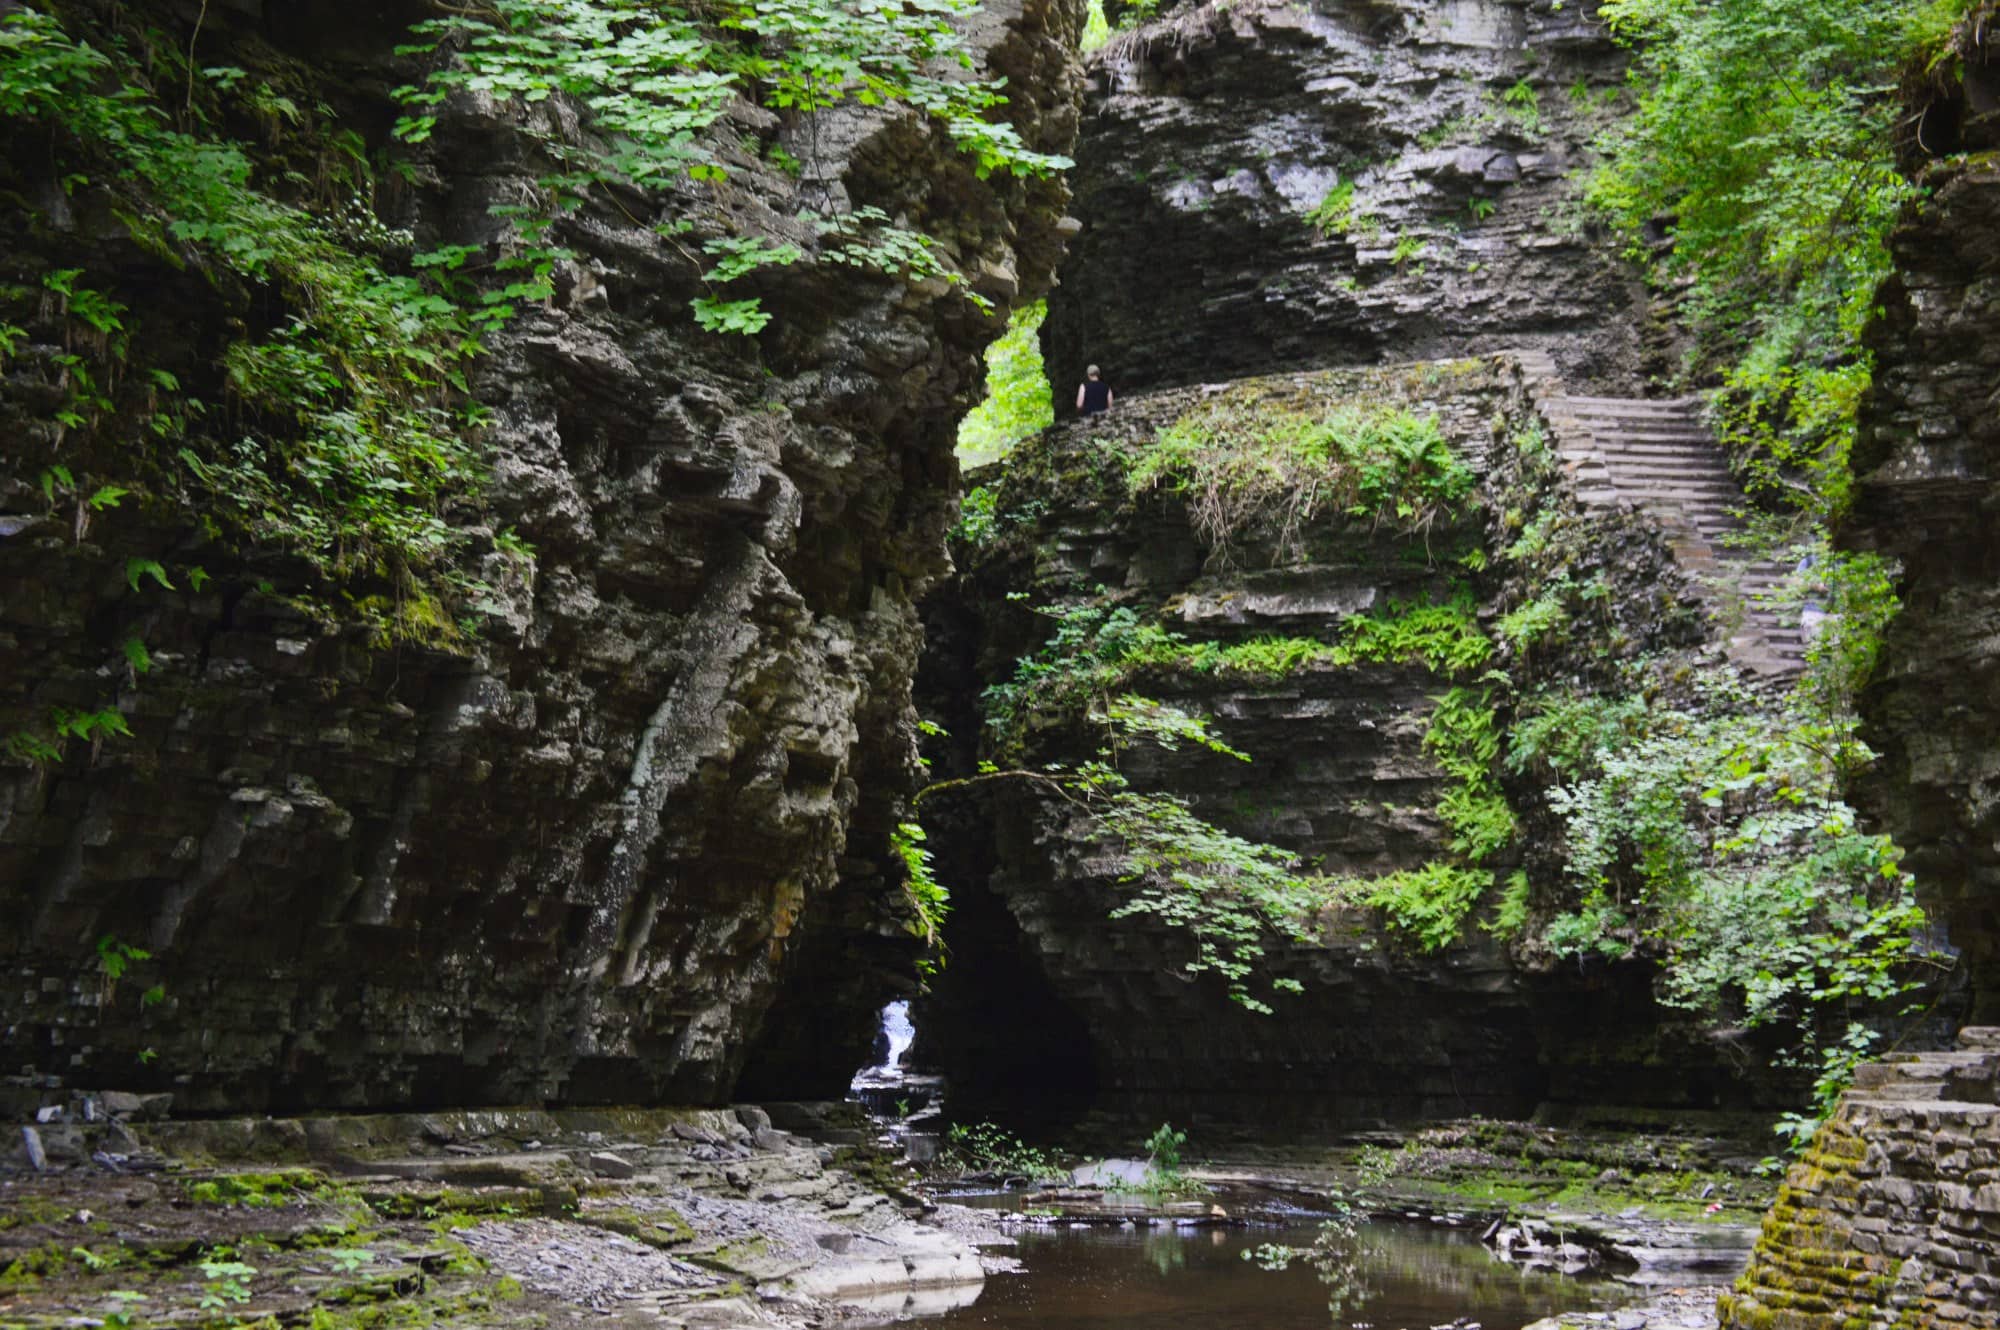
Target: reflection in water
1417,1276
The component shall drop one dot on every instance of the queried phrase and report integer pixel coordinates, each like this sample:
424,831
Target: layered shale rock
1269,185
1925,493
1928,483
1046,991
642,816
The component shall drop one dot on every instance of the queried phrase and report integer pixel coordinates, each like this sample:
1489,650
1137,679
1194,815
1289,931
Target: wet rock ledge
688,1218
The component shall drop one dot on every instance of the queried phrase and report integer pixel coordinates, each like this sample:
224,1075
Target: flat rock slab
1674,1309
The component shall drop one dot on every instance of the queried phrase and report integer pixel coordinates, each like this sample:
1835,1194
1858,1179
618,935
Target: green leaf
138,568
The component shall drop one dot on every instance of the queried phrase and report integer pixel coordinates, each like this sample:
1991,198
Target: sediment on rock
681,1219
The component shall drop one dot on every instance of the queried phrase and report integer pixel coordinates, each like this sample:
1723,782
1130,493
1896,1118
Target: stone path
1659,456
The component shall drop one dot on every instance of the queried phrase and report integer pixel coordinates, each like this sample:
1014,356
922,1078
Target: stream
1158,1273
1414,1276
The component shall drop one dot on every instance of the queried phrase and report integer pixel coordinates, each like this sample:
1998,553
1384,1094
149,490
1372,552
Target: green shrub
1244,465
1335,210
1714,837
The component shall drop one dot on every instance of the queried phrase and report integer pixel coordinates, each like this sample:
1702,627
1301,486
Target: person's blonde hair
1090,372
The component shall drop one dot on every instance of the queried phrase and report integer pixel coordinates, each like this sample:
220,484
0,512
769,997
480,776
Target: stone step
1701,457
1638,477
1659,457
1688,454
1646,432
1615,422
1685,449
1671,450
1640,406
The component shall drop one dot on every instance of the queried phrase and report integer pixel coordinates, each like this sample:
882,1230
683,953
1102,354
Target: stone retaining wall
1891,1219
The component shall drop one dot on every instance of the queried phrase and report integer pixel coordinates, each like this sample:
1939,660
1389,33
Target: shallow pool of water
1415,1276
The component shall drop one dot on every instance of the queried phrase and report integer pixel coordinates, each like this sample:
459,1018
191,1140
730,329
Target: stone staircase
1658,456
1970,1074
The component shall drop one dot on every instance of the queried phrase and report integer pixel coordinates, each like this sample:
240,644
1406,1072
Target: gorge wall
641,818
1270,185
1048,990
1889,1218
1926,495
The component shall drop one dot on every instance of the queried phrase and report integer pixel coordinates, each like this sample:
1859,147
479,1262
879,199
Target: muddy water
1416,1276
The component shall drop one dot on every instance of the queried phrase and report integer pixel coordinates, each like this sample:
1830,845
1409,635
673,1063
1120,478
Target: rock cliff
1925,494
597,850
1266,186
1348,773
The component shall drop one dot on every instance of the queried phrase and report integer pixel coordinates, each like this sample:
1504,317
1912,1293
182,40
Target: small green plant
978,516
1536,620
348,1260
1407,248
928,899
125,1304
746,317
1836,1073
1163,1148
115,957
1164,1175
1335,210
1523,105
1481,208
226,1282
983,1147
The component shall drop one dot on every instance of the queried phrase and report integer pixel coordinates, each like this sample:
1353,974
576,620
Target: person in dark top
1093,394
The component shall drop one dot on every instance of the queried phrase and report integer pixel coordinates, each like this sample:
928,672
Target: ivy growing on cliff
341,435
1097,649
929,900
1230,896
337,426
1225,891
654,80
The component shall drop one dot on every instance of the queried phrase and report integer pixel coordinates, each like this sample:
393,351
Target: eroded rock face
583,859
1047,992
1212,137
1928,484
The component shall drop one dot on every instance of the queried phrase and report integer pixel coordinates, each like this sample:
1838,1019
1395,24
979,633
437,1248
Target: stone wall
1212,134
1891,1217
643,817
